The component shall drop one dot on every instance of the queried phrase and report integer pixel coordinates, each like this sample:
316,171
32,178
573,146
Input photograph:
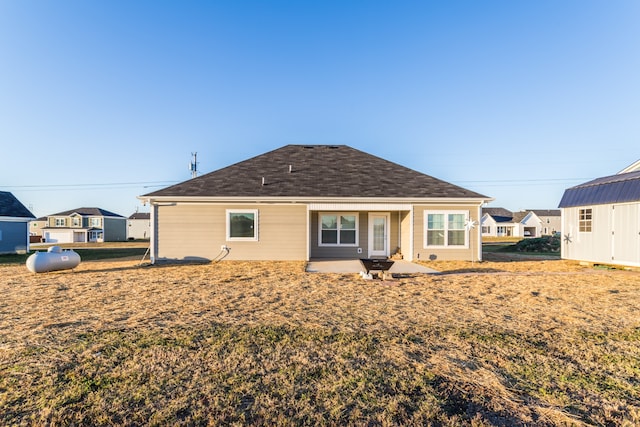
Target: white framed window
338,229
585,220
242,224
446,229
486,229
95,236
95,222
504,231
60,222
76,222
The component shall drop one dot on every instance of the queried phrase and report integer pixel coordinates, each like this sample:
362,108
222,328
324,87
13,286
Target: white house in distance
601,219
139,226
500,222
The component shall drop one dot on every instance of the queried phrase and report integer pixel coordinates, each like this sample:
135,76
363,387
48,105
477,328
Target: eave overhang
155,200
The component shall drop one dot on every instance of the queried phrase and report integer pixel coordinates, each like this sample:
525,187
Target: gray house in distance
601,219
84,225
303,202
14,225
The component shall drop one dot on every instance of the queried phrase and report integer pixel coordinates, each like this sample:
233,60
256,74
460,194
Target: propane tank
52,260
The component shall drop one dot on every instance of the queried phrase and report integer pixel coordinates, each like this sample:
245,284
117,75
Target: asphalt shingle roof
11,207
140,215
501,212
545,212
618,188
316,171
88,212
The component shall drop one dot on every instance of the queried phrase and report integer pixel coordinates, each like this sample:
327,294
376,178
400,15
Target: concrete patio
355,266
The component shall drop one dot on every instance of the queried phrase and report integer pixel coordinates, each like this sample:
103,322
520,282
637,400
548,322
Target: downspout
308,231
479,230
399,231
153,237
412,237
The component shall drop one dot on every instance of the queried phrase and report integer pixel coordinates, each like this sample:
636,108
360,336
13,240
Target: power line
103,186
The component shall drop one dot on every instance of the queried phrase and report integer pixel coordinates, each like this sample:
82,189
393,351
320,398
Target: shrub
540,244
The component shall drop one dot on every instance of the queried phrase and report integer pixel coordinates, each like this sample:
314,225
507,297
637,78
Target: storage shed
601,220
14,225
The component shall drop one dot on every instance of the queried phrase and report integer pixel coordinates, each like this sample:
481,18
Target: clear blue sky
102,101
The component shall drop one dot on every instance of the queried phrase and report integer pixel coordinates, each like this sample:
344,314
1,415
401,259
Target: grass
265,343
509,250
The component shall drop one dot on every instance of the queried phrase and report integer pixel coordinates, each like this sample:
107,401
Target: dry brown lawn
251,343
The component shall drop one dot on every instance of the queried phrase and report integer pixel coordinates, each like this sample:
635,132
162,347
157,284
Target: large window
95,222
60,222
445,229
242,224
584,223
338,229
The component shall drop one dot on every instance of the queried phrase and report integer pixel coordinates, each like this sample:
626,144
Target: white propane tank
52,260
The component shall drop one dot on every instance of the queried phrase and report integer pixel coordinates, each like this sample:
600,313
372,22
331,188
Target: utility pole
193,166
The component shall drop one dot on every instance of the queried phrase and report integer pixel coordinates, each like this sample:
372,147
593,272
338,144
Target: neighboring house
500,222
14,225
139,226
35,228
314,201
550,220
601,220
497,222
85,225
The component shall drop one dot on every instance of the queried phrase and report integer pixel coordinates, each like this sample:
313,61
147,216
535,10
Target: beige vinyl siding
429,253
405,232
197,231
394,232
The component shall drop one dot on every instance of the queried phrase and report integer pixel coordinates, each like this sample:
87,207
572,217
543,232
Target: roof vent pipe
290,168
263,180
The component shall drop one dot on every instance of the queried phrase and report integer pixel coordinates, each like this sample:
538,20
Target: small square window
585,220
242,224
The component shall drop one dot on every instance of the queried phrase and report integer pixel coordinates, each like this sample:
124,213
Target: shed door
626,234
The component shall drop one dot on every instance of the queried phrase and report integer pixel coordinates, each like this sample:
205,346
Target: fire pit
382,265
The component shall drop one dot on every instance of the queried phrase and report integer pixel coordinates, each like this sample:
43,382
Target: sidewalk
355,266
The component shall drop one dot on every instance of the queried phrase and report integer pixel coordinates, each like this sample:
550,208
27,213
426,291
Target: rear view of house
601,220
303,202
14,225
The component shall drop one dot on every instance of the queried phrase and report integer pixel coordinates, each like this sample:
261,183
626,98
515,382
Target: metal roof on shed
619,188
